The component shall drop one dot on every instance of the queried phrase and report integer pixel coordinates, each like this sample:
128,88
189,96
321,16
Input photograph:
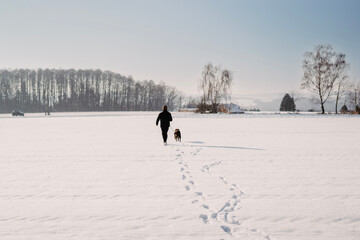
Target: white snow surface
250,176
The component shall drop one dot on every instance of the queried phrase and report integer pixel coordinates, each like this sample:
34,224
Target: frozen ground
108,176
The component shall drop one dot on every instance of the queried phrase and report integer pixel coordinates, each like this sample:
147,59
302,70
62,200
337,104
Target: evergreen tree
344,109
357,109
287,103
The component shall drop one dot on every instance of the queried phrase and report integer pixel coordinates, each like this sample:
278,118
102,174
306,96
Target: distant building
187,109
231,108
235,109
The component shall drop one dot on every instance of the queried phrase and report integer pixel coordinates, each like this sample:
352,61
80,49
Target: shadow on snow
207,146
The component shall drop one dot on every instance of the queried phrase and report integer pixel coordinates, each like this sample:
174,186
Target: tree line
45,90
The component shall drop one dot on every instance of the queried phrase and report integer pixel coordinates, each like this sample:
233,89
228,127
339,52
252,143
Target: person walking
165,118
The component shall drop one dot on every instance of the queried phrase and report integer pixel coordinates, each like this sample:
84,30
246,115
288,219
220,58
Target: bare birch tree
215,85
322,68
342,87
354,95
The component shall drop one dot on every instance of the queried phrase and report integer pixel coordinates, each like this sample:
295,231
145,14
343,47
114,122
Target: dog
177,135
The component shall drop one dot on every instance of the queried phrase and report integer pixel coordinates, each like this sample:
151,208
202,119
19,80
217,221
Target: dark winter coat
165,118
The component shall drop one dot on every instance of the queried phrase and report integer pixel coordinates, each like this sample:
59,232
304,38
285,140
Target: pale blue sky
262,42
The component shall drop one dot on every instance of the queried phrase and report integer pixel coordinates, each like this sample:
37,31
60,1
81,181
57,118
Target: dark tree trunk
322,108
336,104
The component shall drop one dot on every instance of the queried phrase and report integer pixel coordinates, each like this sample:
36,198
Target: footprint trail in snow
227,217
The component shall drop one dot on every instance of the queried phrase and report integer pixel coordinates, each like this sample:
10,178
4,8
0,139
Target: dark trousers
164,131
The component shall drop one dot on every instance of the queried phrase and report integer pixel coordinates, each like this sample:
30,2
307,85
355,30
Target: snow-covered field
108,176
